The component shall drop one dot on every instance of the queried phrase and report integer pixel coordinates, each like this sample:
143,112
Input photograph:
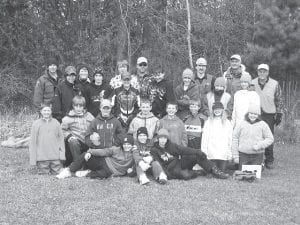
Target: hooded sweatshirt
183,98
149,121
109,129
76,125
248,134
232,78
141,150
160,94
176,128
94,95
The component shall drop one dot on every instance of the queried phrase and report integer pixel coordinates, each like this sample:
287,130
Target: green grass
27,198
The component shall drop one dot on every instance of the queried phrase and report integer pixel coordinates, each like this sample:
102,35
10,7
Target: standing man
270,95
143,76
233,74
46,84
202,79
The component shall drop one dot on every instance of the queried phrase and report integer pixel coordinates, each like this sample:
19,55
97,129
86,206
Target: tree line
101,32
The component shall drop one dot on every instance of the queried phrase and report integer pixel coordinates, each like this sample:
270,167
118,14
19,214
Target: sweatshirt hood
99,117
141,116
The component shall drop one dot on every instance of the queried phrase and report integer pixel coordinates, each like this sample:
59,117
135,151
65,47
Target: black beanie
128,139
142,130
217,105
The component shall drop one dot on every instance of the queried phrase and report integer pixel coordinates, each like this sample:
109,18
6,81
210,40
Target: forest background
101,32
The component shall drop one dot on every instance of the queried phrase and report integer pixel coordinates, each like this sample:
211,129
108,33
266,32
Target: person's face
162,141
83,73
127,147
78,108
200,68
98,79
71,78
194,109
159,77
46,112
252,117
122,69
171,109
235,63
52,68
263,75
126,83
142,67
218,112
245,85
186,80
105,111
145,108
142,138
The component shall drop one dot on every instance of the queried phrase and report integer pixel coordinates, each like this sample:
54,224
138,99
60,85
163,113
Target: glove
87,156
278,118
144,166
95,138
148,159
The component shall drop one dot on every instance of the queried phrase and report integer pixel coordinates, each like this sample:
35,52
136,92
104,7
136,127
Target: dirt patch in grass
27,198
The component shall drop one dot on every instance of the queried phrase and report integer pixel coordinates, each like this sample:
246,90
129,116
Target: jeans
221,164
49,166
74,148
269,118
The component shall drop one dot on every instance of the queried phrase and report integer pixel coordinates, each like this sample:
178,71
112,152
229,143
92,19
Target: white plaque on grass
253,168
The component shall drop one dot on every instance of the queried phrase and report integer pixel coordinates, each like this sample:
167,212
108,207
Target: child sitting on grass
144,160
217,137
46,147
74,126
194,123
250,138
103,163
178,161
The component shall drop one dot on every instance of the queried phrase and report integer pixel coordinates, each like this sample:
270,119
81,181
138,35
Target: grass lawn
27,198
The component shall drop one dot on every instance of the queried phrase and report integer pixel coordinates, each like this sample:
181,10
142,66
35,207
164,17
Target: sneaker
162,179
64,173
269,165
217,173
143,179
82,173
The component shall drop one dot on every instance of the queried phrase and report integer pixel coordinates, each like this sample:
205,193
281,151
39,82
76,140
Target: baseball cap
201,61
141,60
236,56
70,70
126,76
105,103
263,66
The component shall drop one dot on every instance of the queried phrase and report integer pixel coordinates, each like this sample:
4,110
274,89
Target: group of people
136,122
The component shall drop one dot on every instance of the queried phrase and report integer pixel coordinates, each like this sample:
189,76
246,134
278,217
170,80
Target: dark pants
182,168
250,159
74,149
96,164
221,164
194,142
269,118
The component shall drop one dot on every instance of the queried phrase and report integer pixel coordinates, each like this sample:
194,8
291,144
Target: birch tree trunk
189,34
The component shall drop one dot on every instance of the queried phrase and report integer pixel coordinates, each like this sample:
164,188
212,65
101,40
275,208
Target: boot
217,173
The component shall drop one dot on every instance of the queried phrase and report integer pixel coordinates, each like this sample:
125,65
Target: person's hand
256,147
87,156
129,170
144,166
164,157
95,138
278,118
148,159
186,97
71,138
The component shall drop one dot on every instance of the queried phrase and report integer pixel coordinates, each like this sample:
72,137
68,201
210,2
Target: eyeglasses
143,64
